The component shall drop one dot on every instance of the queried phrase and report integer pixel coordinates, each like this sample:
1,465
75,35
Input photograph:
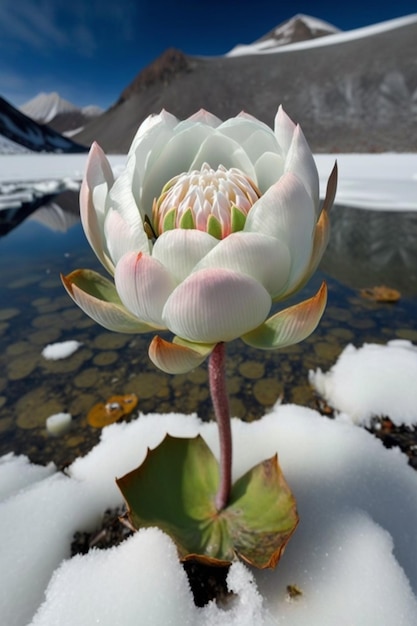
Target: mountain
58,113
298,28
350,91
19,133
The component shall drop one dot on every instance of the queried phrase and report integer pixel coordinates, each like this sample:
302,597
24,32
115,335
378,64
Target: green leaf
175,489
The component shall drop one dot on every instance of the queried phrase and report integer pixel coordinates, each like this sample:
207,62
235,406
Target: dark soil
206,582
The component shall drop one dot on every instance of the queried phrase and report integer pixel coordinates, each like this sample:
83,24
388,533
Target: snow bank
372,381
352,556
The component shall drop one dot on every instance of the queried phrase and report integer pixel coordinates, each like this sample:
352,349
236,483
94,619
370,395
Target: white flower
209,224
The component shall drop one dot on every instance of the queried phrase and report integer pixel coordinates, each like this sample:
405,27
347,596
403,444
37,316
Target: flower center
215,201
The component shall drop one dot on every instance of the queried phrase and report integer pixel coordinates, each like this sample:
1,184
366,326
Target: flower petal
123,237
98,298
180,250
269,168
321,235
143,285
286,212
320,241
246,253
217,149
178,357
174,157
289,326
251,134
284,129
203,116
152,127
97,181
215,305
300,161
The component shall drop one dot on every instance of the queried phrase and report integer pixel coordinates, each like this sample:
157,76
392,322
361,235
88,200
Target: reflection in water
373,247
56,211
365,249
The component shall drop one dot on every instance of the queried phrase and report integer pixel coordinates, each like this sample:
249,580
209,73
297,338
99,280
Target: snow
313,23
61,350
258,47
58,424
45,106
374,181
284,33
391,371
352,556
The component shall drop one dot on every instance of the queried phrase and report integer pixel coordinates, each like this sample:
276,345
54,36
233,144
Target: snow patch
61,350
372,381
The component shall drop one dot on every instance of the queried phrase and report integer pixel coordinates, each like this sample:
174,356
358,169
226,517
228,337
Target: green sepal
187,220
175,488
97,297
94,284
214,227
169,220
238,219
289,326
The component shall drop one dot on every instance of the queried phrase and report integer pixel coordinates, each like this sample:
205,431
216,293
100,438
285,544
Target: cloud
37,27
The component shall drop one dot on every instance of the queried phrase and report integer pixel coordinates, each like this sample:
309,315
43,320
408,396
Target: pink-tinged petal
180,249
284,129
215,305
97,181
177,358
202,116
289,326
286,212
300,161
98,298
249,117
123,237
269,168
143,285
246,253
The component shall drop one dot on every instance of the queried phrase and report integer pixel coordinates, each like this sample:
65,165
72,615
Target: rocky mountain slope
19,133
298,28
350,91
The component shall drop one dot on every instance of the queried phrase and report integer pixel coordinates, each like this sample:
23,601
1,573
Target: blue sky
89,50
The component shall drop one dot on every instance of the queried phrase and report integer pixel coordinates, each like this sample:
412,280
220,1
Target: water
366,249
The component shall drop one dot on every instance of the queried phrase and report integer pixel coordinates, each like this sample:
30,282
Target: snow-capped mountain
19,133
298,28
352,91
60,114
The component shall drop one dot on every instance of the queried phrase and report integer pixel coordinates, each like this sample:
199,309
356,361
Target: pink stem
219,397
